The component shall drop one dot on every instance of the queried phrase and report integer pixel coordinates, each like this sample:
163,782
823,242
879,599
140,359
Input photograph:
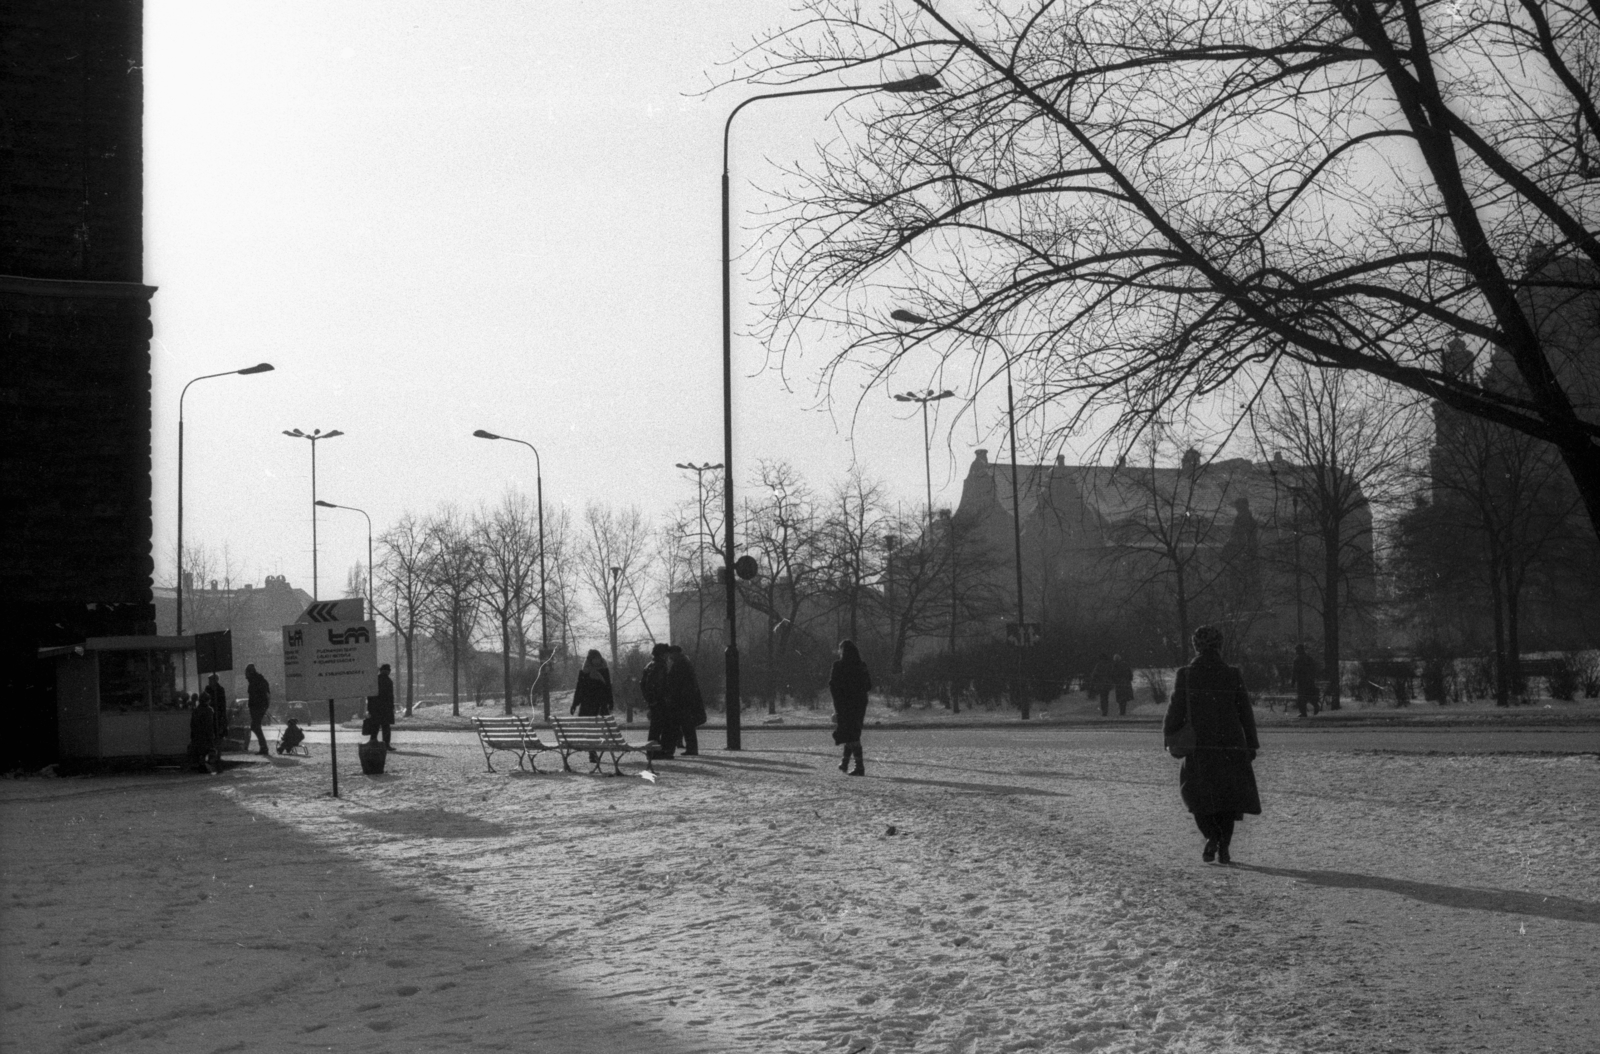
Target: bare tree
1340,446
1506,492
853,527
782,526
1171,547
614,553
406,586
507,541
452,612
1151,201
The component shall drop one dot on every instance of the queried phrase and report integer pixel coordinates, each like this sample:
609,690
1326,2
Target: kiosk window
124,681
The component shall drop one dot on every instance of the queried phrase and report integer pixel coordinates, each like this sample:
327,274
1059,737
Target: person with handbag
1211,726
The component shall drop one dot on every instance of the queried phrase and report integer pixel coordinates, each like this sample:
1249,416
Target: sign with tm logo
330,660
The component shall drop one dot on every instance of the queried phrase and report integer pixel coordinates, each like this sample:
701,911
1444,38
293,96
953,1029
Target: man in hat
380,707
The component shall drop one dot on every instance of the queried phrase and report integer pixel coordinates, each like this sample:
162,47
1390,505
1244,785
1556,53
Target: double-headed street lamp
313,436
372,607
923,82
914,319
925,397
544,632
263,367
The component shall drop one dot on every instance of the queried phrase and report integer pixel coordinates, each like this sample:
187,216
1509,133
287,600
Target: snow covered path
959,898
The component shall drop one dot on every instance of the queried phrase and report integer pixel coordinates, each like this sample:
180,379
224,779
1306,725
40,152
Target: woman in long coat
1216,781
592,696
849,682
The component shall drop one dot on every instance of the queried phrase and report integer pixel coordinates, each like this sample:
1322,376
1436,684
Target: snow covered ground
975,892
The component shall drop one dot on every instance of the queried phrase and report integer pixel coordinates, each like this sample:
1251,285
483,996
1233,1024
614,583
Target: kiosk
118,697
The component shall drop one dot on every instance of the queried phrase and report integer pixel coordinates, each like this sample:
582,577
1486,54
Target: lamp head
946,394
330,435
481,434
325,504
294,433
921,82
261,367
900,314
899,398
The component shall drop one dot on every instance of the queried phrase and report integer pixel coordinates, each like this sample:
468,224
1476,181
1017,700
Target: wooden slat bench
598,736
512,734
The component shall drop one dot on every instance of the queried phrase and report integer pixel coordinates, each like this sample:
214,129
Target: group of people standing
1111,675
671,693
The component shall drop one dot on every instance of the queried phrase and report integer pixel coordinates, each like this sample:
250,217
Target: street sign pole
333,749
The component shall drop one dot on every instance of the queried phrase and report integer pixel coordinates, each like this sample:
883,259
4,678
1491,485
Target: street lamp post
372,607
921,83
314,435
263,367
1018,691
544,620
925,397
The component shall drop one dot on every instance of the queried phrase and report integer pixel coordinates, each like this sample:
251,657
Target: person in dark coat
849,683
260,695
592,695
1305,681
1099,683
380,707
216,697
1122,683
203,752
1216,781
687,706
653,689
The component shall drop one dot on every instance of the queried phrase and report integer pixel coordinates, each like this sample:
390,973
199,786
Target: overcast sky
433,218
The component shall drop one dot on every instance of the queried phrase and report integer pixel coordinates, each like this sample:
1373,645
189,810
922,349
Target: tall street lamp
700,539
314,435
263,367
921,83
925,397
372,608
911,318
544,621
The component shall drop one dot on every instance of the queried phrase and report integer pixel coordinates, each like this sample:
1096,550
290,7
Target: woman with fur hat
1216,781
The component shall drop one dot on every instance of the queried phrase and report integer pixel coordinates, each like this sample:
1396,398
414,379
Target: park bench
512,734
596,736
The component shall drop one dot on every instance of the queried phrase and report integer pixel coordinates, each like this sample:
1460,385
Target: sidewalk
1073,712
956,899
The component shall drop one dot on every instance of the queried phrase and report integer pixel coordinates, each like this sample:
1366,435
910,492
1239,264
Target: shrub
1563,679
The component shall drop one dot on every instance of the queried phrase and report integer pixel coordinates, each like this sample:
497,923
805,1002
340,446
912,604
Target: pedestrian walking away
1099,684
1305,681
684,700
380,707
260,695
849,683
663,732
1216,781
591,697
1122,683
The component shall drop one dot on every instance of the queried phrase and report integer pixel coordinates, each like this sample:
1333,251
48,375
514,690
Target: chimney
980,457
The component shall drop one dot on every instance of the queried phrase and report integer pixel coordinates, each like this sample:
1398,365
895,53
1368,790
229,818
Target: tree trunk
411,672
1519,688
1502,686
1583,462
505,660
1330,613
455,673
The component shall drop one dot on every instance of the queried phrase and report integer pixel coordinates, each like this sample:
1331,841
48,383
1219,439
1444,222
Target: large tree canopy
1145,201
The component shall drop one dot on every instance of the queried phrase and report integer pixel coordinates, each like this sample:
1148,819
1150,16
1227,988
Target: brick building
75,555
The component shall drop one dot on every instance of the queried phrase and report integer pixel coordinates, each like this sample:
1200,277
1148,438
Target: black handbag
1182,743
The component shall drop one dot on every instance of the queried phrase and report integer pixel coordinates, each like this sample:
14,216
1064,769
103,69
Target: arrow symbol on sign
322,612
